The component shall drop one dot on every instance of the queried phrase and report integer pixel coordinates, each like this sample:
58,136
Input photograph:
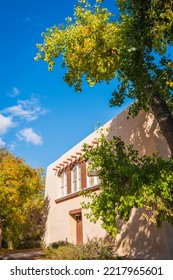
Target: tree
128,181
33,230
134,48
21,193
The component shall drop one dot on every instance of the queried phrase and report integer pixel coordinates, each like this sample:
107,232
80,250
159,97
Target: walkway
26,255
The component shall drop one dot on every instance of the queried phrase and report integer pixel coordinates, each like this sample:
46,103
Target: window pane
62,180
98,181
65,183
74,186
74,173
91,181
79,170
79,176
74,179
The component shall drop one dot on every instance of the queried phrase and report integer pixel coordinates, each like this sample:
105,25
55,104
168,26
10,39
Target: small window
92,180
63,187
76,178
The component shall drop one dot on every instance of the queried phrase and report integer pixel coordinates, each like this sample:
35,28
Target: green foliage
88,46
22,215
133,47
58,244
93,250
128,181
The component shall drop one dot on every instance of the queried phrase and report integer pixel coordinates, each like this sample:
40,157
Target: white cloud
11,146
2,143
28,110
30,136
14,92
5,124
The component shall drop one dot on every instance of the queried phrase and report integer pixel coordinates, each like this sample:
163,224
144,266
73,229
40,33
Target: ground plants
94,249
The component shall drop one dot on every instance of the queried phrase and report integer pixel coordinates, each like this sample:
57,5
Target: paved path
30,255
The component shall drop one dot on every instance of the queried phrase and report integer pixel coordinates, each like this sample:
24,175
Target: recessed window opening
92,180
63,188
76,178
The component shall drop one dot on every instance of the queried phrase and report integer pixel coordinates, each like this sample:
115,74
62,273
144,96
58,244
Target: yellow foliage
86,46
20,186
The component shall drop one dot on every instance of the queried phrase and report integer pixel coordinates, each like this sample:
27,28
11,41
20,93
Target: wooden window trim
75,211
73,195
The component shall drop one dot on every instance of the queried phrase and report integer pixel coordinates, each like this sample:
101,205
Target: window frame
63,184
96,180
78,178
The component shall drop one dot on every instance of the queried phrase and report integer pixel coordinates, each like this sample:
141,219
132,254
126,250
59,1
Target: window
76,178
92,180
63,187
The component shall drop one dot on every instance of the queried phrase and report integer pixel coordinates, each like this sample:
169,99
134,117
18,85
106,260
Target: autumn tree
134,46
128,181
23,211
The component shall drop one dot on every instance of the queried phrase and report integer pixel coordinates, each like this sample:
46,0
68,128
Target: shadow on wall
137,239
142,131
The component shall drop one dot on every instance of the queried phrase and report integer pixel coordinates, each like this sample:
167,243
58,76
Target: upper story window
76,178
63,187
92,180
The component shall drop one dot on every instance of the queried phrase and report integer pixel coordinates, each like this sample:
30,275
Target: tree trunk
164,118
0,236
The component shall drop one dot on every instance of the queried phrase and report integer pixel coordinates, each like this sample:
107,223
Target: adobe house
68,175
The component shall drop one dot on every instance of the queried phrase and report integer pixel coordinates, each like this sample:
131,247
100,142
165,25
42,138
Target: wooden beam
78,153
95,142
75,211
73,156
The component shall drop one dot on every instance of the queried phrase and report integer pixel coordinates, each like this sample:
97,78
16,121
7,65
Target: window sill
76,194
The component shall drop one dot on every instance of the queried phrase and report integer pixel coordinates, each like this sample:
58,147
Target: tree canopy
22,204
135,47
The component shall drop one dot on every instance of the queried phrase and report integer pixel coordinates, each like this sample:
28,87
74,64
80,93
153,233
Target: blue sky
41,117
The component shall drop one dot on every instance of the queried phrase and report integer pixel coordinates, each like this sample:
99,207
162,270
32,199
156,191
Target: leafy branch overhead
95,47
133,45
128,181
89,46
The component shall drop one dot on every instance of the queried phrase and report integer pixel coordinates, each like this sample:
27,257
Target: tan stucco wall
135,238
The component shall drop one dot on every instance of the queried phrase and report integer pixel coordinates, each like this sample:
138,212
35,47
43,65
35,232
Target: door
79,233
76,215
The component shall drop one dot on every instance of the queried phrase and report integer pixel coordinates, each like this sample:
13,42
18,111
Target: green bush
93,250
56,245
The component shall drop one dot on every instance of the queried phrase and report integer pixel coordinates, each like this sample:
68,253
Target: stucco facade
67,221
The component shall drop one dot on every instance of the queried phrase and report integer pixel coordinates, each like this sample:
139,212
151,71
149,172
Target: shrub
56,245
93,250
